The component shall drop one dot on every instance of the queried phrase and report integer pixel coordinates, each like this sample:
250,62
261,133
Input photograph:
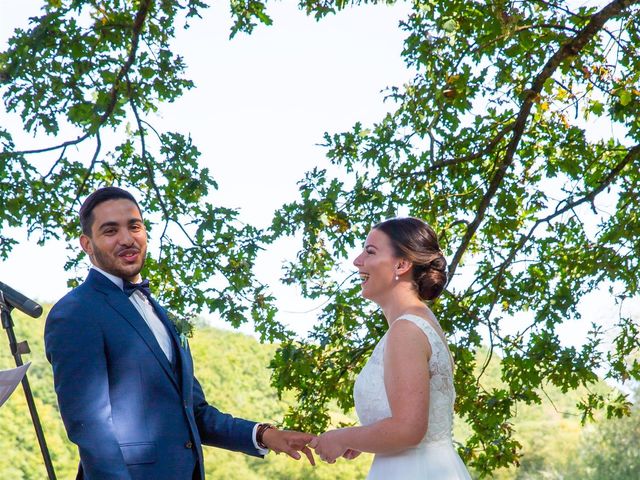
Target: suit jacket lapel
123,306
185,368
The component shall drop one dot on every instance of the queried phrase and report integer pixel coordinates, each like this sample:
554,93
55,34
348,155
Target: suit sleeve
75,348
219,429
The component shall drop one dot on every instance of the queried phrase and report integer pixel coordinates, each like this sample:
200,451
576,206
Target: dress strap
429,331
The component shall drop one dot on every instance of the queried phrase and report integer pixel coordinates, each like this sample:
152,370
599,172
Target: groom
126,389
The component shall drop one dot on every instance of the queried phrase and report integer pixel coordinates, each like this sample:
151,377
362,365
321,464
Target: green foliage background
233,371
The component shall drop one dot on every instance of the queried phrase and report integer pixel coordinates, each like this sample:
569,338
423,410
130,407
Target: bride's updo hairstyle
414,240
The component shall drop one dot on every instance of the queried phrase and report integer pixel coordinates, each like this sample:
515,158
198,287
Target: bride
404,395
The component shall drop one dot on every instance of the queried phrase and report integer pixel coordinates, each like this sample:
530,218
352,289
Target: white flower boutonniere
184,327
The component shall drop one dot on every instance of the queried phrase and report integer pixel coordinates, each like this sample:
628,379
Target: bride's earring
396,277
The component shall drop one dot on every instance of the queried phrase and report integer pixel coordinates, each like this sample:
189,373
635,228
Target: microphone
19,301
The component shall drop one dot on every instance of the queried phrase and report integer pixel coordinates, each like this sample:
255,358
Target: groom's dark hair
95,199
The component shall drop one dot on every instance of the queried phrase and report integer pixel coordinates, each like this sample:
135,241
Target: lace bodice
370,395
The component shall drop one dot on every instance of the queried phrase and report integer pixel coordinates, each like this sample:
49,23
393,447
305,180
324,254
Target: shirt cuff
261,451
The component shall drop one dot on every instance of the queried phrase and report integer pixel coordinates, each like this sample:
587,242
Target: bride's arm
406,379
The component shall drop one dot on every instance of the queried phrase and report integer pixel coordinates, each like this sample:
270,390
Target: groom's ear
85,243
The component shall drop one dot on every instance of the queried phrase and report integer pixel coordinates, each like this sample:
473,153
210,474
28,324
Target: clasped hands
329,446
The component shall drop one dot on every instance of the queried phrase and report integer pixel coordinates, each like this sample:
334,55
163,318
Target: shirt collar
115,279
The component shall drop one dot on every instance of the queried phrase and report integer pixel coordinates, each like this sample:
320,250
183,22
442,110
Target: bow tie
143,286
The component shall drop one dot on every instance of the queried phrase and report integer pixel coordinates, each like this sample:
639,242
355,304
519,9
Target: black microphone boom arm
19,301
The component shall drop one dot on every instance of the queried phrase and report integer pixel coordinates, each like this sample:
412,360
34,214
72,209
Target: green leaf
80,112
450,25
147,72
625,97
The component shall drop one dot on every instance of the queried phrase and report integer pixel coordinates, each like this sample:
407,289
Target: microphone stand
17,350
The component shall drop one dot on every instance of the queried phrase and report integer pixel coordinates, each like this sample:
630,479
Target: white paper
9,380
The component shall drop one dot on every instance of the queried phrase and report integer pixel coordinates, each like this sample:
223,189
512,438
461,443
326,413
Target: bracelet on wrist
262,427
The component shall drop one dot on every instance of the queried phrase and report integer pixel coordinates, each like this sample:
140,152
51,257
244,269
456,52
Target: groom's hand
289,442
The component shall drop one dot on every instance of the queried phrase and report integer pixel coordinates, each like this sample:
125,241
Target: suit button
185,405
188,445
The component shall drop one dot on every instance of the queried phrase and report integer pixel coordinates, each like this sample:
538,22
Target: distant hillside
233,371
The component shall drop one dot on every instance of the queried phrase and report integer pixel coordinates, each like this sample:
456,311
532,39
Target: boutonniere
184,327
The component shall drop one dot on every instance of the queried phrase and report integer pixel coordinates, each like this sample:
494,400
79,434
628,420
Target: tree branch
66,144
89,169
561,7
633,154
138,25
145,158
487,149
55,164
565,52
523,28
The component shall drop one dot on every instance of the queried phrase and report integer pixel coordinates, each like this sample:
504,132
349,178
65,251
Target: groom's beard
115,265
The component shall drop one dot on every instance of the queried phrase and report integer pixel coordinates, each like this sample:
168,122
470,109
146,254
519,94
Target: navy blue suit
131,412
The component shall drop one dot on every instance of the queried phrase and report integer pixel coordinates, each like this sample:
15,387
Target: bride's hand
330,445
350,454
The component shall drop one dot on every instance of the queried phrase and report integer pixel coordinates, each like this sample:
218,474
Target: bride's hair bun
415,240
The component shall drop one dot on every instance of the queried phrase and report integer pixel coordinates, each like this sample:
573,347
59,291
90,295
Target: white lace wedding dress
435,457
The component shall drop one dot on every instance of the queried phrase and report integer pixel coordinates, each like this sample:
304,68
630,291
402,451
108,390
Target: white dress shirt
146,311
